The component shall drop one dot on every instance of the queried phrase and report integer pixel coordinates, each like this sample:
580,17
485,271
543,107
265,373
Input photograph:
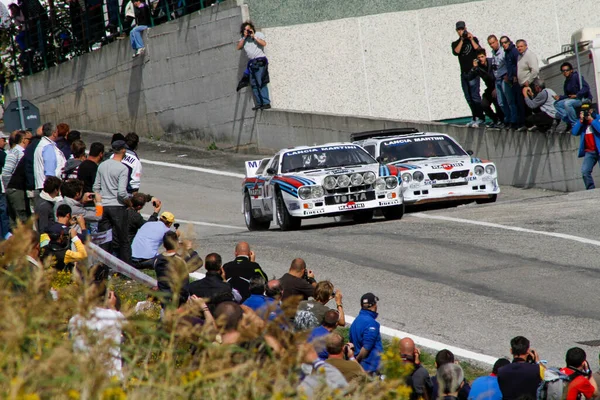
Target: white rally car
433,167
317,181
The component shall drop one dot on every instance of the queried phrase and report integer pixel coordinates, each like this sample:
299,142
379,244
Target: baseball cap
460,25
118,145
167,216
3,135
368,299
57,229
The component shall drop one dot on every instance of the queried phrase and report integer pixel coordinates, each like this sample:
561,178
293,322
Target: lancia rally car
433,167
317,181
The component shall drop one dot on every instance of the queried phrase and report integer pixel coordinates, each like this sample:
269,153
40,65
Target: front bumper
327,206
420,193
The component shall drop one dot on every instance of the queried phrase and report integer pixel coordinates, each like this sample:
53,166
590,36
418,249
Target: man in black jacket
239,271
213,286
483,67
134,218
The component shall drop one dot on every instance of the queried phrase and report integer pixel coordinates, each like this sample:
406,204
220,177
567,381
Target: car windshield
414,148
325,157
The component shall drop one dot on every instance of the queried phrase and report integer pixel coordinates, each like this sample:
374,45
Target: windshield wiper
412,159
301,169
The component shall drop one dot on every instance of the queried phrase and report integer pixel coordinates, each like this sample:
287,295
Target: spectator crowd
514,96
75,198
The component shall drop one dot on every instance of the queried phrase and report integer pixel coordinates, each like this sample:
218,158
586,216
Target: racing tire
491,199
252,223
393,212
285,220
363,216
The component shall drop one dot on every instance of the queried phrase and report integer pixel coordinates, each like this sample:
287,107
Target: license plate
345,198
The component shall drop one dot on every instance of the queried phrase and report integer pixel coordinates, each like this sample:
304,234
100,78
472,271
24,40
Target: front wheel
252,223
286,221
393,212
491,199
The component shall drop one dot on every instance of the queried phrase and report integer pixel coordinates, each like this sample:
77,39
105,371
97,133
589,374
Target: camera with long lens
465,34
586,109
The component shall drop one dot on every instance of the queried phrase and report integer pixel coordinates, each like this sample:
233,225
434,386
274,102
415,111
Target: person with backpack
581,382
523,375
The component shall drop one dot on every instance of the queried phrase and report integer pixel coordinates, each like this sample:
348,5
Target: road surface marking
192,168
185,221
509,228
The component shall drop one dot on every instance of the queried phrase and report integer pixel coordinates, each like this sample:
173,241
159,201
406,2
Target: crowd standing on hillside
51,181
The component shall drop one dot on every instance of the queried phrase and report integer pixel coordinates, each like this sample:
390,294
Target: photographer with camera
257,71
465,49
310,313
298,281
61,234
483,68
537,96
73,196
588,127
134,216
523,375
149,239
341,356
582,383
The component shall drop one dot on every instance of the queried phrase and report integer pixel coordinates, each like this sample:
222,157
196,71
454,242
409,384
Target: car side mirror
271,171
380,159
470,152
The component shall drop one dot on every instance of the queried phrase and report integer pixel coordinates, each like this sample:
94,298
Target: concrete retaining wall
184,85
526,160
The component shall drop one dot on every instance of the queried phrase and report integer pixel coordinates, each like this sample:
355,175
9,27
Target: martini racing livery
433,167
317,181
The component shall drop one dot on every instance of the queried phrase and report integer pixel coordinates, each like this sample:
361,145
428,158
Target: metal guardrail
96,254
43,36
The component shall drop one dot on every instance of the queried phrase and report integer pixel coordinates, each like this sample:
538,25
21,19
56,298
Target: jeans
260,91
115,218
487,100
519,103
135,36
4,224
565,109
502,98
589,160
471,91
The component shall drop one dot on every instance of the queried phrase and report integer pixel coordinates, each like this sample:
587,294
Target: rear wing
383,133
253,166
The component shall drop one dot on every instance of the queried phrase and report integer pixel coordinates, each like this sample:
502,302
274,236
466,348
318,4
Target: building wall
399,64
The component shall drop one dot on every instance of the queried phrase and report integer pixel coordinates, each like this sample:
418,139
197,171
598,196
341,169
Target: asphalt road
437,274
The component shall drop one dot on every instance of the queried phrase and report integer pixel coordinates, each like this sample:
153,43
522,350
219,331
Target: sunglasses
504,42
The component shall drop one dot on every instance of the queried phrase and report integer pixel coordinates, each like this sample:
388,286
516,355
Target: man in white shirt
48,159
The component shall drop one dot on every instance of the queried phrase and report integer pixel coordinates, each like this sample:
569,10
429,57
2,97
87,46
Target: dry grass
162,360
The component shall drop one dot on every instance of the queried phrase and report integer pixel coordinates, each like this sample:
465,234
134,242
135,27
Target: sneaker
533,129
500,125
478,122
256,108
141,50
470,124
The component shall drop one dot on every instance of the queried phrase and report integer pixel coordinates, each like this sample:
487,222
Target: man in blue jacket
588,127
574,95
366,336
515,102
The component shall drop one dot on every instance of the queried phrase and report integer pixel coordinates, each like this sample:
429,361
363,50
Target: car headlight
343,181
329,182
478,170
369,178
305,192
406,177
356,179
418,176
380,184
317,191
391,182
490,169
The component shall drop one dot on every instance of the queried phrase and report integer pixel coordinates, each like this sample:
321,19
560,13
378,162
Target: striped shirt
12,159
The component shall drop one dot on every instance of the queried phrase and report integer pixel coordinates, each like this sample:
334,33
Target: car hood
315,177
440,163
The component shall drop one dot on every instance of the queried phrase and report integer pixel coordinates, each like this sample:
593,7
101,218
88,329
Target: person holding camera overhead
257,71
483,67
588,127
465,48
134,216
149,239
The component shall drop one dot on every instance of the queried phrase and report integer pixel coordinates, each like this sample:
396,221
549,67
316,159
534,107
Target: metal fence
42,36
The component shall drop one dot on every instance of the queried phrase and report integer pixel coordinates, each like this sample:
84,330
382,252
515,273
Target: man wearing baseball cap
366,336
148,240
